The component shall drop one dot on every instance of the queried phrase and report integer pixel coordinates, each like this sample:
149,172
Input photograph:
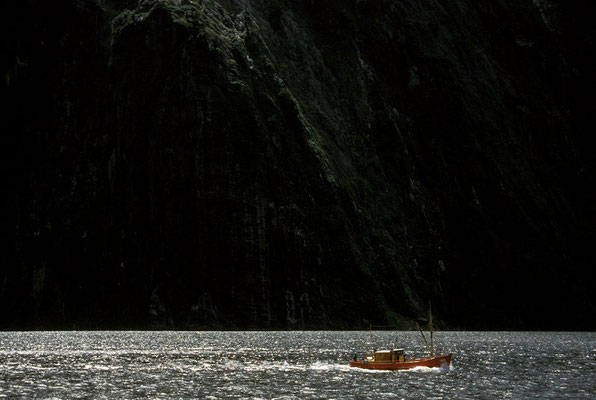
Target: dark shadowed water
290,365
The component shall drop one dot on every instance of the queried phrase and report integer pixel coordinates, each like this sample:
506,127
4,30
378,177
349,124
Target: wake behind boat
396,359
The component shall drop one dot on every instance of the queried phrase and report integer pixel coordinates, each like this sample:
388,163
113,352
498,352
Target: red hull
430,362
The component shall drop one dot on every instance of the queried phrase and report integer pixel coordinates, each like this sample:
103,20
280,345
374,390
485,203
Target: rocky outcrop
275,164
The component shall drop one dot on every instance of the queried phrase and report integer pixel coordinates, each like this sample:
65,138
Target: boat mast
430,319
423,337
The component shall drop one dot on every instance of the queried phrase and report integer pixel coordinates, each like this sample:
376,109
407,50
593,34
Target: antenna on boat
430,323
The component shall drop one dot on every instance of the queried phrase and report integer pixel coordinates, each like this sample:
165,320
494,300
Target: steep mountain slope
277,164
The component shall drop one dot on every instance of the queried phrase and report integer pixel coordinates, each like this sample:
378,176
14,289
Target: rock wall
298,164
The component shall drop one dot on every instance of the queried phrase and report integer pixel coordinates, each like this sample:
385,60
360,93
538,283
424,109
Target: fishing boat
396,359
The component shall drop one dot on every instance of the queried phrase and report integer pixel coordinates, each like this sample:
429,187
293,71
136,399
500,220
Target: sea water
291,365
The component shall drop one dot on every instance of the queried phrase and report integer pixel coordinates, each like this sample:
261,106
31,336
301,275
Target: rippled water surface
290,365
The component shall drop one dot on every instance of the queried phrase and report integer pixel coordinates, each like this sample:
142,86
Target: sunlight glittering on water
291,365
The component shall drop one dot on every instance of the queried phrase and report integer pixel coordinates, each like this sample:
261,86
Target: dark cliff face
276,164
